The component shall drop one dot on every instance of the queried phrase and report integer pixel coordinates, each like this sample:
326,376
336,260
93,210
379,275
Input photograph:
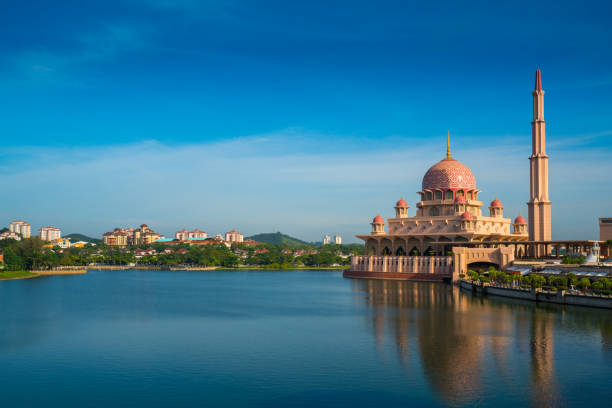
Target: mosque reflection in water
460,341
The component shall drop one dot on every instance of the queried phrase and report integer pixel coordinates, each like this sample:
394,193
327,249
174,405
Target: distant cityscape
142,235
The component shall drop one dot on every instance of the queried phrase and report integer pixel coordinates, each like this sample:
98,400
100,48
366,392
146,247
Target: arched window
428,195
459,193
422,196
448,195
400,252
414,252
386,252
469,195
438,195
434,211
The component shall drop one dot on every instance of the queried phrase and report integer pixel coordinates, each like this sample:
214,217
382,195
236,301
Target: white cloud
285,181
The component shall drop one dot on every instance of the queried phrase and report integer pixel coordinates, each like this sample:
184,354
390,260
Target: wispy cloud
108,43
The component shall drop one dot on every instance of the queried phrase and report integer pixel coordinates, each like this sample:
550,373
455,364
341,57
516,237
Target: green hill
81,237
278,238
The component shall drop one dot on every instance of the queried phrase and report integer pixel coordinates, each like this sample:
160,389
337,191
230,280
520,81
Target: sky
308,118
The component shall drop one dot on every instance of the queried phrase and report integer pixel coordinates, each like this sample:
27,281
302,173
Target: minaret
539,205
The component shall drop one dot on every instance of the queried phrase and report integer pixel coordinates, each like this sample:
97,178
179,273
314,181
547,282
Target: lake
290,339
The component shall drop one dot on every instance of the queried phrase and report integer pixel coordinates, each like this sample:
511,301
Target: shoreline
40,273
538,295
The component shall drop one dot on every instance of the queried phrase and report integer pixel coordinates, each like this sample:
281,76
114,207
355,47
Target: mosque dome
378,220
520,220
449,174
496,203
401,203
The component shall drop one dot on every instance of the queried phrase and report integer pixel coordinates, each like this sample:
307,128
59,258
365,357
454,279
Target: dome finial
448,156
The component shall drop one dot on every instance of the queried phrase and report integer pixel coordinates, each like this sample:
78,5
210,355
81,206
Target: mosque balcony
426,203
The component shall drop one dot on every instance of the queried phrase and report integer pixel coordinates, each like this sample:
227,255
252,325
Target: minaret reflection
466,345
544,385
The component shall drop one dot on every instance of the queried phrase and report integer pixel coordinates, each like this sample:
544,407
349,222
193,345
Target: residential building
143,235
10,235
184,235
326,240
338,240
20,227
50,233
234,236
118,237
139,236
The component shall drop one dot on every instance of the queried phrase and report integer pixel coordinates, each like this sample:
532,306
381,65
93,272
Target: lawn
16,275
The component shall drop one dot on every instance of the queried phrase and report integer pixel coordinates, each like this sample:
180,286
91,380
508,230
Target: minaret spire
538,81
448,156
539,204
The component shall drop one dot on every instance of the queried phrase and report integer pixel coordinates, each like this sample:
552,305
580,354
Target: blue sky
301,117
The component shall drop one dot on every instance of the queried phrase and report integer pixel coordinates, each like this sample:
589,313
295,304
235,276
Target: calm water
284,339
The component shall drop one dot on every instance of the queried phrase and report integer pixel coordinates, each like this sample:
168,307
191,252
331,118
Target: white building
234,236
326,240
50,233
338,240
20,227
10,235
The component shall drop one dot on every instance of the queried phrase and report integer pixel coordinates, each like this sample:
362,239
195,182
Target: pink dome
449,174
467,216
460,199
401,203
520,220
378,220
496,203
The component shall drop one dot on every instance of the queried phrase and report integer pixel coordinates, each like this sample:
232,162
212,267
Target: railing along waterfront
402,264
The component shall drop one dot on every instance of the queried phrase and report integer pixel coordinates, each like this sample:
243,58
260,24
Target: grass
5,275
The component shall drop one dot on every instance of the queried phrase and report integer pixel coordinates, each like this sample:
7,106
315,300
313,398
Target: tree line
31,254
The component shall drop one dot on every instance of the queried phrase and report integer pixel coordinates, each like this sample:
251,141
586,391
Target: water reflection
463,342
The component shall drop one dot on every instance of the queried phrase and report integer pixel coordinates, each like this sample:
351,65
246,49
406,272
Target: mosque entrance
482,266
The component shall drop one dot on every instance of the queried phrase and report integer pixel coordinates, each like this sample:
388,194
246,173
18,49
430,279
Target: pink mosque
450,232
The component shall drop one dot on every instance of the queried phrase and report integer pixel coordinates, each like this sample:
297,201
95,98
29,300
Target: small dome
401,203
496,203
378,220
449,174
460,199
467,216
520,220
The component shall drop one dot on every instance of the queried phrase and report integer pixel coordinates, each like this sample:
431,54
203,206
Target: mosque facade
431,244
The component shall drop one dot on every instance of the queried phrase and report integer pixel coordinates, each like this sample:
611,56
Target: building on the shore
50,233
20,227
183,234
450,231
234,236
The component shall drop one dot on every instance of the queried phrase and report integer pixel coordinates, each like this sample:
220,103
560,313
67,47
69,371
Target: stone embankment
537,295
50,272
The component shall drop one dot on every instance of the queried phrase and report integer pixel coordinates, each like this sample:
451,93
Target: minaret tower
539,205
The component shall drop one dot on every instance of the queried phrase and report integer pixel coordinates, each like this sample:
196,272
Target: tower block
539,205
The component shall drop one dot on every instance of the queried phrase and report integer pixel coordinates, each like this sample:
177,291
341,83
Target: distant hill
81,237
278,238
